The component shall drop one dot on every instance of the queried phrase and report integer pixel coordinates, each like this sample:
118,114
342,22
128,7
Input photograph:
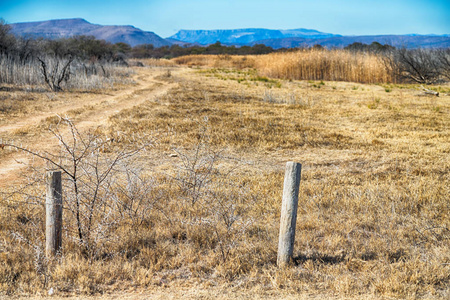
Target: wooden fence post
288,213
53,213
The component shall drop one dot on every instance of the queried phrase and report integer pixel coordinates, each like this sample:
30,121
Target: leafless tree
7,40
444,59
415,65
55,71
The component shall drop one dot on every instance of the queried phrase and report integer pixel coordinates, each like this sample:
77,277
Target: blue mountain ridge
275,38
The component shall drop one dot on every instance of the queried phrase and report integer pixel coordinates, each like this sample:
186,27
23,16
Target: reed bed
304,64
329,65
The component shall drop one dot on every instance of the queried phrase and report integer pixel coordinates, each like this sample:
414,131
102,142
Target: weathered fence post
289,213
53,213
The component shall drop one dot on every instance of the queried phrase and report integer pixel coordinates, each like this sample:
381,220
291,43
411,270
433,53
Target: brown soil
96,111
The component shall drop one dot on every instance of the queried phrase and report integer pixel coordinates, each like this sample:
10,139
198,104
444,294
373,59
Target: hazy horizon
165,18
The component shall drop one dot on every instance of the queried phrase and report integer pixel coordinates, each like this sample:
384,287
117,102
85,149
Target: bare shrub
214,201
414,65
73,63
76,76
97,75
102,186
55,71
443,56
196,170
13,71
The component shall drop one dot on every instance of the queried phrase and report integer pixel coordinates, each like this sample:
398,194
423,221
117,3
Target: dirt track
96,112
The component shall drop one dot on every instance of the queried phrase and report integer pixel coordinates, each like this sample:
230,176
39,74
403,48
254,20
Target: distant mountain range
71,27
239,37
409,41
304,38
245,36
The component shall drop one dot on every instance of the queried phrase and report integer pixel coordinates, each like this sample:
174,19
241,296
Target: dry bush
103,76
114,212
12,71
95,198
76,77
212,198
443,55
425,66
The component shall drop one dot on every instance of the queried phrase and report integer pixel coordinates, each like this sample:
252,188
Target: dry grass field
196,214
309,64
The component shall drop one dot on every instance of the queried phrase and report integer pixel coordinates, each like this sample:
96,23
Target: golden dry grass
373,207
303,64
153,62
218,61
330,65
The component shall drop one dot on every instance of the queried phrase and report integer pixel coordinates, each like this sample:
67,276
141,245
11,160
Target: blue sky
348,17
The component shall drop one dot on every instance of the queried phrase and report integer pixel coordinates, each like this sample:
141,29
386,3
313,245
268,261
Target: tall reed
304,64
330,65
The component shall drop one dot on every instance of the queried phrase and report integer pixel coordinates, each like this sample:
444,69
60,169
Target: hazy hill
409,41
70,27
248,36
53,28
304,37
307,33
243,36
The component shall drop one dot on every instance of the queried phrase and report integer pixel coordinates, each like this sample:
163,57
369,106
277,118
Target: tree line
148,51
55,62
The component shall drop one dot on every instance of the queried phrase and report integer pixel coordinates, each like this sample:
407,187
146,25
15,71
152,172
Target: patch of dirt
95,113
